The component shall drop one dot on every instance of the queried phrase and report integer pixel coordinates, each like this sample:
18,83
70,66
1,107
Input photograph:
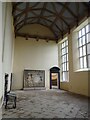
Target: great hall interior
44,59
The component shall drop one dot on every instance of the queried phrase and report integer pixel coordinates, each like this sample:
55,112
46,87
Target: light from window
64,59
84,47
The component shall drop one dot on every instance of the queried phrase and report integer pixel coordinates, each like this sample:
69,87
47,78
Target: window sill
82,70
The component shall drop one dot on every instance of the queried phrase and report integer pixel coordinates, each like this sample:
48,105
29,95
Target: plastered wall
36,29
89,83
78,80
8,42
30,54
6,45
0,54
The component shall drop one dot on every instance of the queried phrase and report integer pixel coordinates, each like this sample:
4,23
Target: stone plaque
34,78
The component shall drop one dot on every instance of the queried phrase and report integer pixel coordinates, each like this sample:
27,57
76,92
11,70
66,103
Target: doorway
54,77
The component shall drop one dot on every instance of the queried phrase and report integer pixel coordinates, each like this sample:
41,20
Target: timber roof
59,17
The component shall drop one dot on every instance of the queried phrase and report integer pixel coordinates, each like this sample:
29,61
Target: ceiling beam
68,18
15,7
33,9
28,18
58,28
67,8
42,11
37,3
26,13
36,16
28,10
15,4
37,23
59,15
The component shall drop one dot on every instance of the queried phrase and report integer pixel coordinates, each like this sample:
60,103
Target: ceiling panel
58,16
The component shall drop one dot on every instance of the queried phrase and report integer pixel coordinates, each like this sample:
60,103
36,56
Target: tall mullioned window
64,59
84,47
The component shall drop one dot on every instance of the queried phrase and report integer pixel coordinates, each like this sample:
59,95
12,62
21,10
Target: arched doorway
55,77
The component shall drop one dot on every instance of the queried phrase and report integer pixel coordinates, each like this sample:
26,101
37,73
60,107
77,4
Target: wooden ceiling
58,17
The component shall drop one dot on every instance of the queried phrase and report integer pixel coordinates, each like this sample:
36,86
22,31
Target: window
84,47
64,59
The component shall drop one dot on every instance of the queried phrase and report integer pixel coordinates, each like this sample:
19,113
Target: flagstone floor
48,104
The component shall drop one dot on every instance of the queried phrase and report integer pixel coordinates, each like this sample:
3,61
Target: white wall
7,43
30,54
6,46
0,54
78,80
37,29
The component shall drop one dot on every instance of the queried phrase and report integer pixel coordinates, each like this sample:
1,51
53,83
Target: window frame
82,46
64,60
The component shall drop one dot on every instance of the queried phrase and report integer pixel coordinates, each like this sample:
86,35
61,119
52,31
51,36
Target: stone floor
48,104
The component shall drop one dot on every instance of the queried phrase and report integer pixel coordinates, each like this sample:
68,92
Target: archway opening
54,77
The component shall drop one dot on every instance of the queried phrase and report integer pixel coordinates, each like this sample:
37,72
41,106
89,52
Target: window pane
63,67
84,46
84,50
88,48
80,42
62,45
83,40
67,66
63,76
85,63
80,33
88,37
83,31
87,28
66,76
67,57
67,49
80,51
64,51
67,42
81,62
62,59
89,61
